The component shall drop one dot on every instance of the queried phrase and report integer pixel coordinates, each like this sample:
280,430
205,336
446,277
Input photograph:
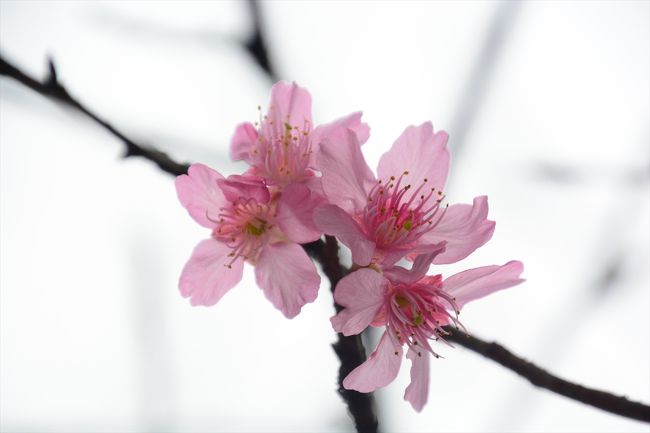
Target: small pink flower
400,213
249,223
414,308
283,148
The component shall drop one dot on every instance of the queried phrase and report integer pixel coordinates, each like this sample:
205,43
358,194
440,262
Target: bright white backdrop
547,104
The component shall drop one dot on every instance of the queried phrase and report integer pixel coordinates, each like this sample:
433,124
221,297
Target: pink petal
379,370
291,104
200,194
479,282
295,215
334,221
247,187
337,130
417,392
387,257
206,276
420,152
346,176
465,228
362,295
360,129
244,139
315,184
418,270
287,276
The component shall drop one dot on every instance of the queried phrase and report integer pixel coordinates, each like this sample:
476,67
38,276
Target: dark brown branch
350,350
543,379
53,89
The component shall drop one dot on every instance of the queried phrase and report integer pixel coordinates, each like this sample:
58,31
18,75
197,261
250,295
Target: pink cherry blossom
283,147
249,223
400,213
414,308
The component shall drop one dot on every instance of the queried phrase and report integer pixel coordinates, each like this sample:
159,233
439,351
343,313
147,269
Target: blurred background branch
255,44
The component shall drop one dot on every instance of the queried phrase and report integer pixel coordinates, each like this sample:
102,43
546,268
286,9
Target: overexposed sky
548,109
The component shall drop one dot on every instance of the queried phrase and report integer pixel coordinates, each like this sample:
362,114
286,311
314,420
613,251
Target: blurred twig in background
256,43
481,73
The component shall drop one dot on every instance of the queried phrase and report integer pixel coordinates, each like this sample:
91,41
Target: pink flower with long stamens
414,308
283,147
400,213
249,223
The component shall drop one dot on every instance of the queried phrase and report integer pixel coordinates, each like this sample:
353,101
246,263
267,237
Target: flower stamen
397,215
244,227
418,313
283,152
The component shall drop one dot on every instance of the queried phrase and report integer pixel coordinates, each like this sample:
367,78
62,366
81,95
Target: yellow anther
401,301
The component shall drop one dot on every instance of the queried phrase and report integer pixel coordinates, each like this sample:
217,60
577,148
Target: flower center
396,215
244,227
417,314
255,227
282,152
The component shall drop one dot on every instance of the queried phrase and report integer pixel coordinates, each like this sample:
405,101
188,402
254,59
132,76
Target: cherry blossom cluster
305,181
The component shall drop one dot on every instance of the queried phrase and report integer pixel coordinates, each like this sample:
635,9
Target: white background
547,105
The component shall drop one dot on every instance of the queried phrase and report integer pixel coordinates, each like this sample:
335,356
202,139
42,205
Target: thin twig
53,89
543,379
